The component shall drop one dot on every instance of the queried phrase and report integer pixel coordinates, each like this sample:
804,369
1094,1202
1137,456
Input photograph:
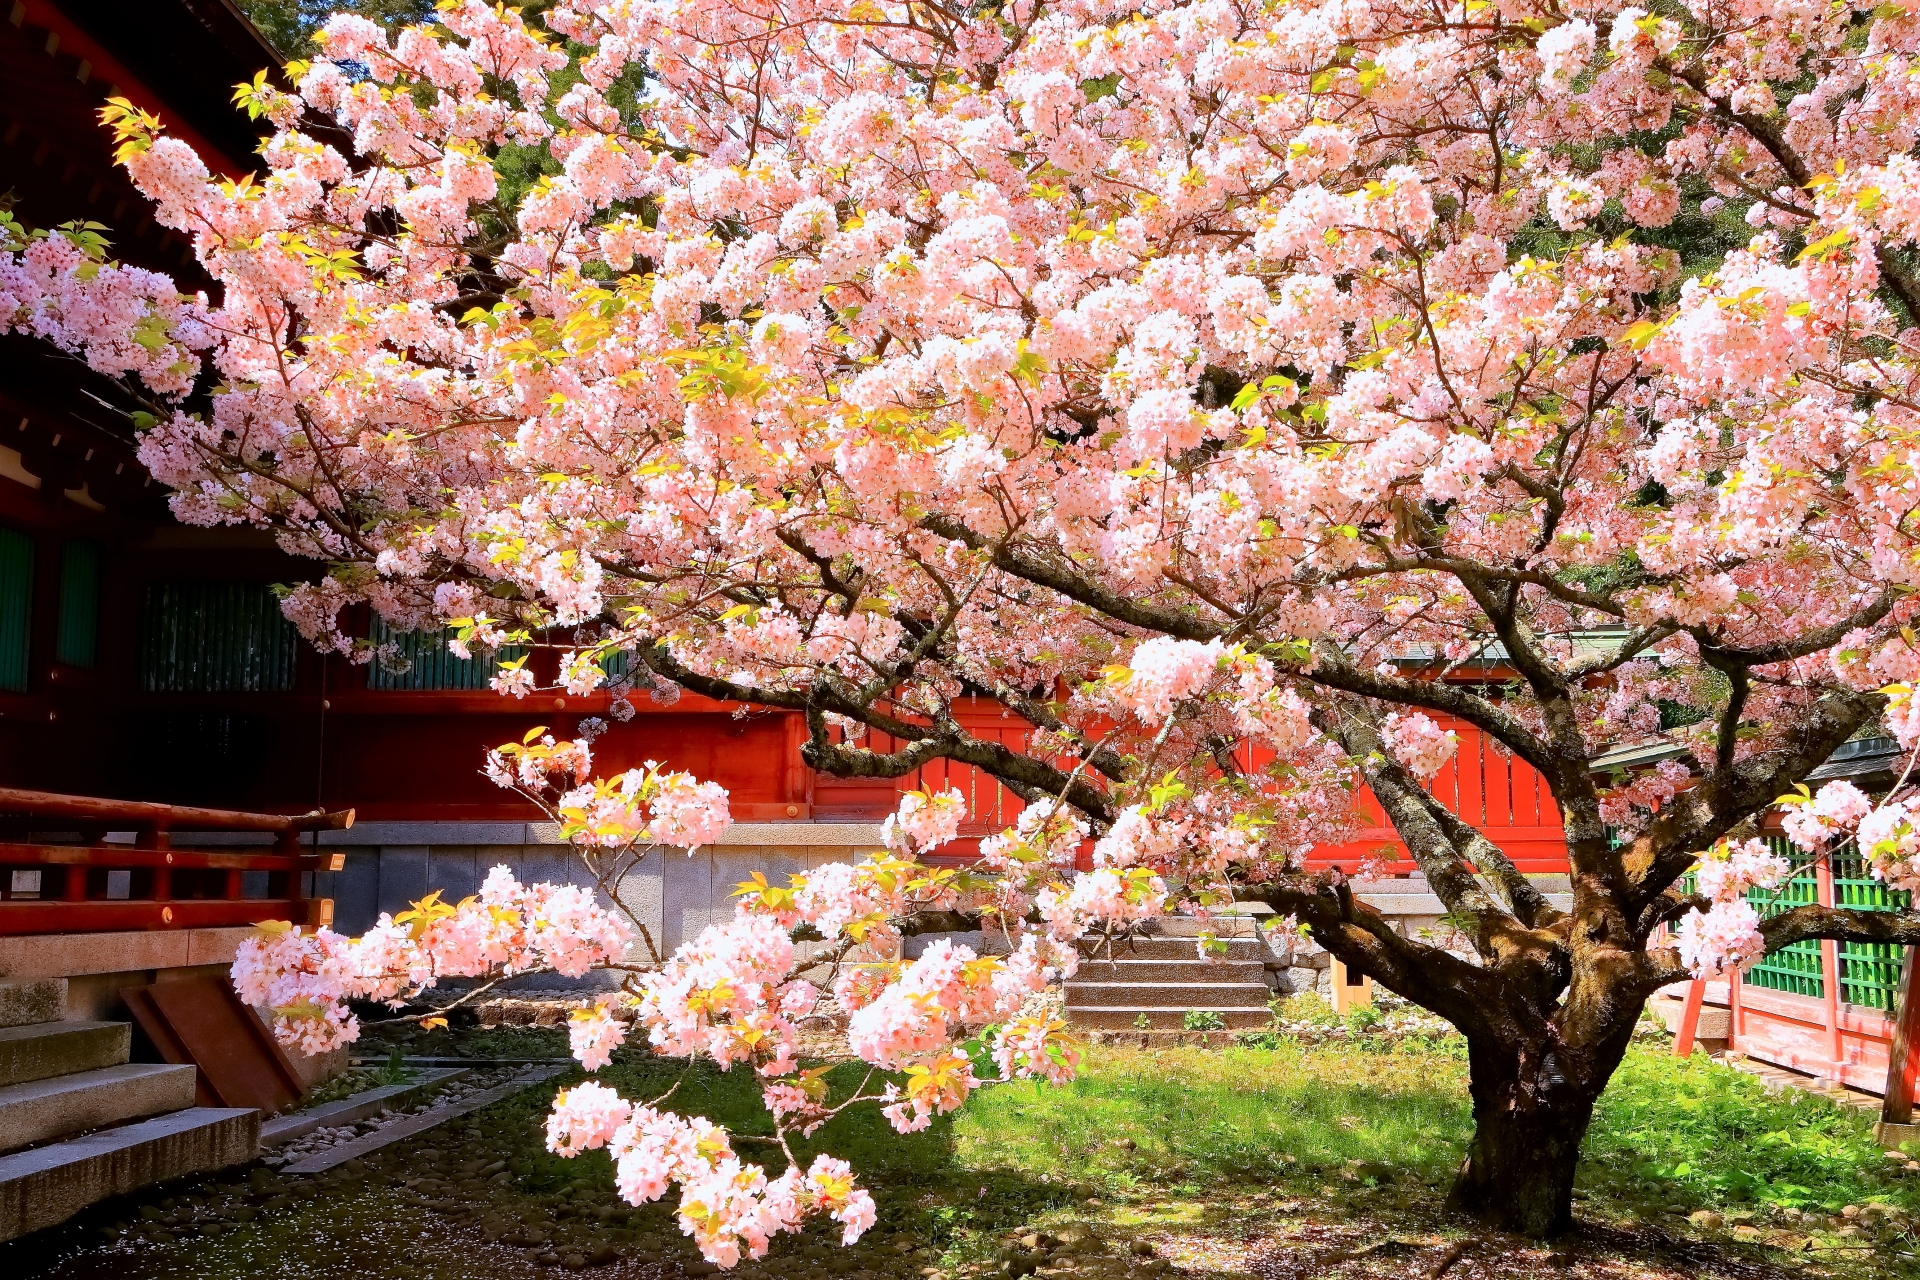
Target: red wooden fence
93,886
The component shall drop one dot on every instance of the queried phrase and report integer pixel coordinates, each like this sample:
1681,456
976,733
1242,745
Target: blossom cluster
649,805
964,352
730,1208
306,977
1418,743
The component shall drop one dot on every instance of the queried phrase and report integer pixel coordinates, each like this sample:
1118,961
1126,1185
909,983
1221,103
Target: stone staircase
1150,983
79,1122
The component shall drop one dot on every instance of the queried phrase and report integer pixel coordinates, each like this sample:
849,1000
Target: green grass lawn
1279,1161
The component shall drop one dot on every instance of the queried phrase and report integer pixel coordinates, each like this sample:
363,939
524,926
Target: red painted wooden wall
1498,792
1493,789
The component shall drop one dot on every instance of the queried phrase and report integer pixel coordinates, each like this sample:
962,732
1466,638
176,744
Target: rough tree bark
1532,1104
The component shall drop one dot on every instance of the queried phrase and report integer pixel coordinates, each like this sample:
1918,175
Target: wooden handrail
142,815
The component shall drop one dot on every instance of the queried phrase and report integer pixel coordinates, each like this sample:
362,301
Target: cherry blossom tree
1215,385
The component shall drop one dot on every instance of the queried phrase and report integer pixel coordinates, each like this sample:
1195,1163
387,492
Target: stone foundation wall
672,893
389,865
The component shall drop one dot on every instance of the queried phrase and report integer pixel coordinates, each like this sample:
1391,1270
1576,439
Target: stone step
1159,1017
1167,949
1716,1020
60,1105
25,1003
47,1185
44,1049
1151,971
1176,995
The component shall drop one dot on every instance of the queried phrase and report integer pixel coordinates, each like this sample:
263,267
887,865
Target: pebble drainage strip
364,1105
420,1122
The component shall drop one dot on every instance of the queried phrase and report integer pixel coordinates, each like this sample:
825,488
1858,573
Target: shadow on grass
1274,1162
392,1214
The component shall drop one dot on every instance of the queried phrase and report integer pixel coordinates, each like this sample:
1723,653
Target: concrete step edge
41,1050
1166,987
53,1107
26,1002
1164,1008
47,1185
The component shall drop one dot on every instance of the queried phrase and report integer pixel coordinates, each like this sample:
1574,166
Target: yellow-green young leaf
1640,333
1826,246
1029,366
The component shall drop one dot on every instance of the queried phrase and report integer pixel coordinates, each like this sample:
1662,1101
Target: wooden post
1351,988
1830,973
1689,1018
1896,1107
1736,1014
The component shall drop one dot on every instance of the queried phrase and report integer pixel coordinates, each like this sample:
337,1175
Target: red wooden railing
93,886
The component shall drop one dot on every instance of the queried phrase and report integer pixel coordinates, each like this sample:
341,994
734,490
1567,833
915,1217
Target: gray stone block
47,1185
47,1049
1301,980
403,876
450,869
356,891
25,1003
52,1108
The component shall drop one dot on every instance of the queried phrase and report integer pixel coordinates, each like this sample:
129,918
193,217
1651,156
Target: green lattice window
79,603
421,660
16,608
215,637
1797,968
1869,971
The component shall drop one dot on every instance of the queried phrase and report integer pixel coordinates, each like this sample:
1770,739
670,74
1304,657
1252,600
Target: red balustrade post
1690,1018
1830,969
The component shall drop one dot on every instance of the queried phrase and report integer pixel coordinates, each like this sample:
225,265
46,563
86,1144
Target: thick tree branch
1697,817
1841,924
1329,666
1405,803
1472,998
1769,134
1026,776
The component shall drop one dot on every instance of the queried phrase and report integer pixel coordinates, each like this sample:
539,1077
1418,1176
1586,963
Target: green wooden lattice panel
215,637
16,608
421,660
79,603
1869,971
1795,969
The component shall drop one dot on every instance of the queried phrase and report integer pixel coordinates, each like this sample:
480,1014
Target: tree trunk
1531,1109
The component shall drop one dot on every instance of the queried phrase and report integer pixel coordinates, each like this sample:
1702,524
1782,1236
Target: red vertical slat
1472,755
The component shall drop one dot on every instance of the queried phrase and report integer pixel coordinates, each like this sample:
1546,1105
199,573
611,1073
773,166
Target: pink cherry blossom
1417,742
